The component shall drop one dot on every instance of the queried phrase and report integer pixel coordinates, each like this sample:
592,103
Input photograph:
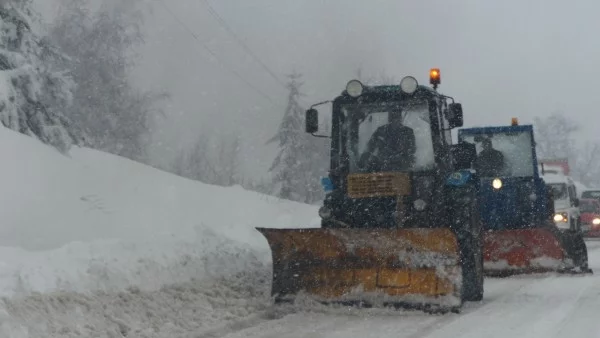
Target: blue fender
459,178
327,184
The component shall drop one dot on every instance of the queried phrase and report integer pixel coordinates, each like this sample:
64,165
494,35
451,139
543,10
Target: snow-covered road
526,306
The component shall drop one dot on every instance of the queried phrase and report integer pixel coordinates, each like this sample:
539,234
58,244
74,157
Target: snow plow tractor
517,206
399,226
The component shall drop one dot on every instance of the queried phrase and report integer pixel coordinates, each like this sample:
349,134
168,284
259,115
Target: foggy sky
499,59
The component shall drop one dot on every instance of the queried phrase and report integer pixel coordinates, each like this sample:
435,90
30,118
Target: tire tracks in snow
174,310
499,291
544,307
474,306
586,307
282,313
535,310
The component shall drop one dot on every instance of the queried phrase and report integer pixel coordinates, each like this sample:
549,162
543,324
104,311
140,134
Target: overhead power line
226,26
212,53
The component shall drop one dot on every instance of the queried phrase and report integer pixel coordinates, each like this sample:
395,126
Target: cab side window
446,132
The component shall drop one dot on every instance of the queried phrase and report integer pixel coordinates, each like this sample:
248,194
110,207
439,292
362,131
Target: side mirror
455,115
312,121
463,155
576,202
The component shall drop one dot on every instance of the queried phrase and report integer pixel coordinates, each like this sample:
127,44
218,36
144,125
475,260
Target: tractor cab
509,182
390,152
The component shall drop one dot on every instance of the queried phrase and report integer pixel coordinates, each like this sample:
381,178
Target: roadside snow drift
94,222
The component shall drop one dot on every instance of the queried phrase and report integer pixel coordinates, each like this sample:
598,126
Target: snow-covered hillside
97,222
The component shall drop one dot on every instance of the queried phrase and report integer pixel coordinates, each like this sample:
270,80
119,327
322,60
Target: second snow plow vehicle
400,225
517,206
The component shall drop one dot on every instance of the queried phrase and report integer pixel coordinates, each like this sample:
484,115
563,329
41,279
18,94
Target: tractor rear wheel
467,226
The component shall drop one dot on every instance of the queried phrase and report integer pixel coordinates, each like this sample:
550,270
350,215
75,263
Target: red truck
590,217
555,163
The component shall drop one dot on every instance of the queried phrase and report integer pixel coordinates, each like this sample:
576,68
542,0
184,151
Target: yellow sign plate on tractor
384,184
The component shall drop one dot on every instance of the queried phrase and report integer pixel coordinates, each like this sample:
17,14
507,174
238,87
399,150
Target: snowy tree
31,79
300,160
229,161
554,136
108,108
212,162
587,164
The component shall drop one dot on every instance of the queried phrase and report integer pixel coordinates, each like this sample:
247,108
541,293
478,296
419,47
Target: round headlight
497,183
324,212
419,205
558,218
354,88
409,84
596,221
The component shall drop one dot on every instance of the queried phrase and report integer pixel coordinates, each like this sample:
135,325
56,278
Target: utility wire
248,50
226,26
211,52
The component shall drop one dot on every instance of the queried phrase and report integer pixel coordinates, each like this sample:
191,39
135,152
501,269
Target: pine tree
101,46
31,80
213,162
296,167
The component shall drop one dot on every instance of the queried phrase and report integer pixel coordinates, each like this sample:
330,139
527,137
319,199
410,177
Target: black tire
475,292
467,226
576,248
473,280
580,252
478,294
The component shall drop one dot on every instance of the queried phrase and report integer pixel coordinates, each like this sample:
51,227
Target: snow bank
95,221
175,310
98,245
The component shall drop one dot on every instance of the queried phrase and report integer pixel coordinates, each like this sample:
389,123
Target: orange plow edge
414,268
525,251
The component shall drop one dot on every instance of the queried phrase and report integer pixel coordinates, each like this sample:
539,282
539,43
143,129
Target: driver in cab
392,147
489,162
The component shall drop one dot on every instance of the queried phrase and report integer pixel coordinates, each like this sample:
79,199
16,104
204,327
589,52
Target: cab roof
389,92
552,178
495,129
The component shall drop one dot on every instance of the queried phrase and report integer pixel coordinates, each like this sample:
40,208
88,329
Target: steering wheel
370,162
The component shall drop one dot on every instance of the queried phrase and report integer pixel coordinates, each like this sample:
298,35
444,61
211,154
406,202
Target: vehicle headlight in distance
497,183
559,218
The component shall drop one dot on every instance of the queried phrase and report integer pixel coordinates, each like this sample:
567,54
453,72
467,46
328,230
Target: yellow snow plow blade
400,267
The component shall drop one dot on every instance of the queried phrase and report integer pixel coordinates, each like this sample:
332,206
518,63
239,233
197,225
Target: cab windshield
591,194
559,191
589,207
390,136
507,154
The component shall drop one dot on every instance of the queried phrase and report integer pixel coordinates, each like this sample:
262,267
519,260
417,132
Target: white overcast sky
498,58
